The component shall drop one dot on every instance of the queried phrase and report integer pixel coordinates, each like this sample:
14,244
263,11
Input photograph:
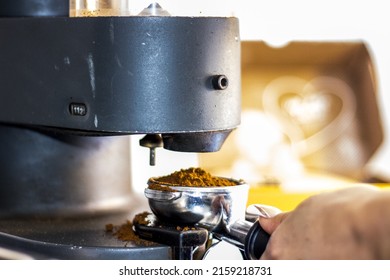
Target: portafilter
220,210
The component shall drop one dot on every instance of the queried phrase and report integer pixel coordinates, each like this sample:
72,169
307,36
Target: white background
278,22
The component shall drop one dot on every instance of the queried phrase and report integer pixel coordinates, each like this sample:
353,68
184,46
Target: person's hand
344,224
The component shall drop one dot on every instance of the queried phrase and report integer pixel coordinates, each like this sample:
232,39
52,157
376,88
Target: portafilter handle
251,236
248,234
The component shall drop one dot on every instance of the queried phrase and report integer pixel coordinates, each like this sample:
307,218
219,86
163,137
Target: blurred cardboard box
310,118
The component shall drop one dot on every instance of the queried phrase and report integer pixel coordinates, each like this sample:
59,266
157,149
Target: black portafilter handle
256,242
249,236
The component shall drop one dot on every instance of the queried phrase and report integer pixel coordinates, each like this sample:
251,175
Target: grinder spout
198,142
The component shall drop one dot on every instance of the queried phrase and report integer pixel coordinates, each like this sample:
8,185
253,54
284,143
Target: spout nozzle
195,142
152,157
151,141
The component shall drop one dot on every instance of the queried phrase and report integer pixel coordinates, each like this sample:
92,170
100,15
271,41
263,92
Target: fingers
270,224
266,255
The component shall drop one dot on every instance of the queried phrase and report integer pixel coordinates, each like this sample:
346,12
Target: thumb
270,224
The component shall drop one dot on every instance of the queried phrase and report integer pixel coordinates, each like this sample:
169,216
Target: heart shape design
312,113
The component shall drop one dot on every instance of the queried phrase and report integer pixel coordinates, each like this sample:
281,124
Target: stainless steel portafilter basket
220,210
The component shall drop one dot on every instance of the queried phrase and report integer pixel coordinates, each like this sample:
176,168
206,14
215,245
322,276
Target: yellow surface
274,196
